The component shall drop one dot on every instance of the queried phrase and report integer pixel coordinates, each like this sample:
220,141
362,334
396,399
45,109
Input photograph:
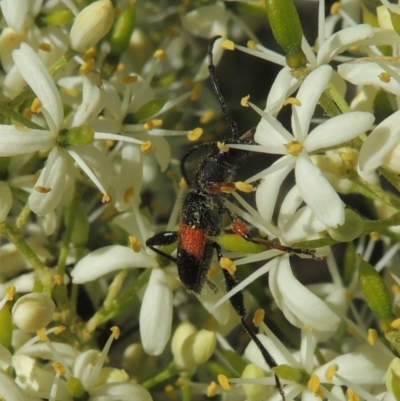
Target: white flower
314,188
156,309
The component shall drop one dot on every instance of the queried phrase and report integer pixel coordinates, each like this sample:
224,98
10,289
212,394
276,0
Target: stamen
36,106
244,101
128,79
212,272
336,7
42,189
244,187
228,44
87,66
228,265
128,194
330,372
151,124
259,316
293,101
212,390
224,382
135,243
195,134
196,92
372,336
252,45
9,295
160,54
208,116
223,147
146,147
385,77
170,391
46,47
313,384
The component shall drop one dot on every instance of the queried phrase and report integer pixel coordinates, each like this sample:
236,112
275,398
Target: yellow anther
212,272
128,194
224,382
10,292
395,324
195,134
170,391
59,368
228,44
116,332
151,124
42,334
336,7
314,386
36,106
28,113
121,67
395,289
146,147
42,189
90,53
294,148
331,371
293,101
180,382
252,45
385,77
375,236
259,316
212,390
183,184
135,243
160,54
196,92
244,187
223,147
228,265
105,198
208,116
244,101
59,330
46,47
352,395
372,336
87,66
128,79
59,279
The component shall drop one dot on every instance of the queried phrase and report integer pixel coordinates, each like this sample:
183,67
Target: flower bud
33,311
393,377
254,392
91,25
76,136
122,30
191,347
391,161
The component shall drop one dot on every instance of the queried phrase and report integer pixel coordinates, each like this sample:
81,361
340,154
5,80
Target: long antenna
215,85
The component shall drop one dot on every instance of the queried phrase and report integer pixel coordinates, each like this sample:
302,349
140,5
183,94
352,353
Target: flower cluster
99,100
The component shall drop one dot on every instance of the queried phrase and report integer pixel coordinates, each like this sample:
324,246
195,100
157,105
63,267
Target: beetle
202,211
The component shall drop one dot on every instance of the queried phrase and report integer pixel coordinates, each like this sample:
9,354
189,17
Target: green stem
14,236
124,302
339,100
164,375
23,217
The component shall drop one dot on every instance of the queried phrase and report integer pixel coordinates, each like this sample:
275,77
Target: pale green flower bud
33,311
254,392
393,377
91,25
191,347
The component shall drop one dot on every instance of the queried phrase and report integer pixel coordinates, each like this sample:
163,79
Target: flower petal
379,143
106,260
299,305
342,40
309,93
38,77
6,200
17,140
268,190
120,391
156,313
367,73
15,13
318,193
338,130
50,184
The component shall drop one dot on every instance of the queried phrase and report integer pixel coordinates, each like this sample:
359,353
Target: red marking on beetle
240,228
192,240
